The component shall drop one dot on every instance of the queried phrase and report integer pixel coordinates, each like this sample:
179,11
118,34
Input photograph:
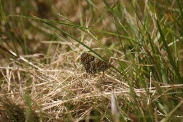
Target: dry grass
63,91
42,78
59,87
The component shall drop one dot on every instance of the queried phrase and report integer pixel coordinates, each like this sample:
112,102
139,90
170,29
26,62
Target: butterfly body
92,64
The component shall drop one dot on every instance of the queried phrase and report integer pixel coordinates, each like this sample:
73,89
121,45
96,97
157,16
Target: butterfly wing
101,65
92,64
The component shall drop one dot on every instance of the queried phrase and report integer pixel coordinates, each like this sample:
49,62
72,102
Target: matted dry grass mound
61,90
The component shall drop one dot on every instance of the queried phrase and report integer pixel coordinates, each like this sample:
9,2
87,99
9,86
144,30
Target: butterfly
92,64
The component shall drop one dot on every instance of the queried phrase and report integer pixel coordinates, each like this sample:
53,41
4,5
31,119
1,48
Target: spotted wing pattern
92,64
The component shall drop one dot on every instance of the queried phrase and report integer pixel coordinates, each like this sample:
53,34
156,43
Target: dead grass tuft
59,89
